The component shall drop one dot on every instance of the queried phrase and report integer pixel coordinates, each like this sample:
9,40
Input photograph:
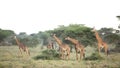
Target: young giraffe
50,45
78,47
63,47
22,46
101,44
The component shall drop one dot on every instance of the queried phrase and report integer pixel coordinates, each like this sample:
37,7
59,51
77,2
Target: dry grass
10,58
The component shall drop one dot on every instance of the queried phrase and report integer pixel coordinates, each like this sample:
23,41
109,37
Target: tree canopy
76,31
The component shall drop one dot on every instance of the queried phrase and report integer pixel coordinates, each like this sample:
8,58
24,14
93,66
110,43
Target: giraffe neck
98,37
74,41
57,40
17,41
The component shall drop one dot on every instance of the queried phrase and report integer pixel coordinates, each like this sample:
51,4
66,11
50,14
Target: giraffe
50,45
101,43
63,47
22,46
78,47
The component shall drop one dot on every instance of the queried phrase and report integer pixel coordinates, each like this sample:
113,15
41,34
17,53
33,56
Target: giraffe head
54,35
15,37
67,38
93,29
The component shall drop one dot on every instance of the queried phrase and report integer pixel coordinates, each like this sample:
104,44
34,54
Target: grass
10,58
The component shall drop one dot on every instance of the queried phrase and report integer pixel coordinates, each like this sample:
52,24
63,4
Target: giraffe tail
83,55
108,52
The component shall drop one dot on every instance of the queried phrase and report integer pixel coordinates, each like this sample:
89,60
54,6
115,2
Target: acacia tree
30,40
44,37
77,31
5,37
5,33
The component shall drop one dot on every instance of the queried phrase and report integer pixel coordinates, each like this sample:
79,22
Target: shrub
48,55
94,56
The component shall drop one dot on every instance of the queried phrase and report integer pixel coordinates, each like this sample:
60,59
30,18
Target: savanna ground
10,58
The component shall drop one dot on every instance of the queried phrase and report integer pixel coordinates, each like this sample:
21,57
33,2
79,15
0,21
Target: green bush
94,56
48,55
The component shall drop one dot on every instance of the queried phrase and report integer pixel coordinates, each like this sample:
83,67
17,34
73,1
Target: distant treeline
77,31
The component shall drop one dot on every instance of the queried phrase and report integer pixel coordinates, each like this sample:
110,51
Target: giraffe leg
20,51
62,54
59,52
106,51
99,48
27,51
76,55
68,54
81,55
65,55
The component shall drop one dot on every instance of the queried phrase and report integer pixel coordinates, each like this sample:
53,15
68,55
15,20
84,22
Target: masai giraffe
63,47
78,47
101,44
22,46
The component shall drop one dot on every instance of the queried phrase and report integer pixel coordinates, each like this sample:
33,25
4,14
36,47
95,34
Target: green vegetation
48,55
10,58
77,31
94,56
42,58
5,33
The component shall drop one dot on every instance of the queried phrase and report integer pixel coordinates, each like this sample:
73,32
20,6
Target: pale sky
31,16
